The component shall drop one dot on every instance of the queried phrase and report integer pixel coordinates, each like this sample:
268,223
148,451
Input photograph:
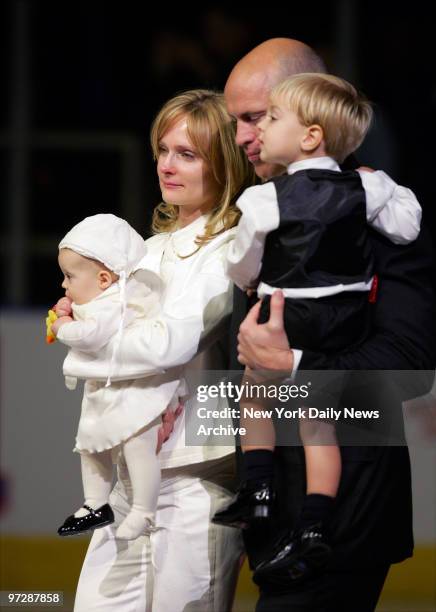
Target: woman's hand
63,307
168,419
265,346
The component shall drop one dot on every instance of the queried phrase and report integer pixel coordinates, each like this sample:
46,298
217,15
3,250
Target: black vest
323,238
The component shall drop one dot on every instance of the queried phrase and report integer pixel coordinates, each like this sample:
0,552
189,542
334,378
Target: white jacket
112,414
97,321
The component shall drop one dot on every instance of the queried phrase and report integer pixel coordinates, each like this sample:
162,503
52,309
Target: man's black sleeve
403,335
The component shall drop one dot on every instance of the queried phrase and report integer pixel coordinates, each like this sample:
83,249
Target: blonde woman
187,563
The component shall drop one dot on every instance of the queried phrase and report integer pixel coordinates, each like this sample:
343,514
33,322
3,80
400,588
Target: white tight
140,451
142,465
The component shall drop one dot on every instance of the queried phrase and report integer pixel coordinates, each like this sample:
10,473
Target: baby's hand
59,322
63,307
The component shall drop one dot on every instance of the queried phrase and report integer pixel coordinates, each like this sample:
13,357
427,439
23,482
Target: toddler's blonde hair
330,102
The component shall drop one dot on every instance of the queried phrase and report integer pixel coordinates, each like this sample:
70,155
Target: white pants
187,565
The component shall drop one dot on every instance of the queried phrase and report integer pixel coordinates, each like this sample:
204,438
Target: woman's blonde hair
330,102
212,133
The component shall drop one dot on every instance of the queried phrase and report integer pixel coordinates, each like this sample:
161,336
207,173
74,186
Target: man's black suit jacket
372,521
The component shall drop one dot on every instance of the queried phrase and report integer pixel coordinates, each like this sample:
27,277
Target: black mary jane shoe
94,520
252,506
297,555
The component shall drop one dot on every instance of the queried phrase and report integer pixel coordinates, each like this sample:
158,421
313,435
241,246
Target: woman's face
185,178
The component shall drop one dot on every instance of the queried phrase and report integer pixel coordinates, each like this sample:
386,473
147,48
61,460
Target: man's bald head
251,81
276,60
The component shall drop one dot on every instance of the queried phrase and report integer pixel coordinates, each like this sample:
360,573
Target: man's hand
63,307
265,346
168,419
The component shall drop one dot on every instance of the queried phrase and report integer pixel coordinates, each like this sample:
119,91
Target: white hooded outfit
184,338
112,411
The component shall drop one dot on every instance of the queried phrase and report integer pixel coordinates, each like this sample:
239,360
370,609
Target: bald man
371,526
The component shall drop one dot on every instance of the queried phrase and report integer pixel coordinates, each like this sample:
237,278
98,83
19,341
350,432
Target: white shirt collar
194,226
327,163
183,239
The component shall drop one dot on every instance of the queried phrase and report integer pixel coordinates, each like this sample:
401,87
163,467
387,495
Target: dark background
81,82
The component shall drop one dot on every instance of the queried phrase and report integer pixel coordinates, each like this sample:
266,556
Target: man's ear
312,138
104,279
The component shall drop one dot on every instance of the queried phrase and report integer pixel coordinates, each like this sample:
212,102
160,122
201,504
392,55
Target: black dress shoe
251,506
297,555
96,518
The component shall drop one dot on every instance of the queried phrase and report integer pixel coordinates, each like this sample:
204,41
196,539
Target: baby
306,233
98,258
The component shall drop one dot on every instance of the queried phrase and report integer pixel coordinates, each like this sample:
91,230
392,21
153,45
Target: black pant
340,591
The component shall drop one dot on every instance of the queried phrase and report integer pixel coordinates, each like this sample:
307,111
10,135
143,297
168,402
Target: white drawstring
117,341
